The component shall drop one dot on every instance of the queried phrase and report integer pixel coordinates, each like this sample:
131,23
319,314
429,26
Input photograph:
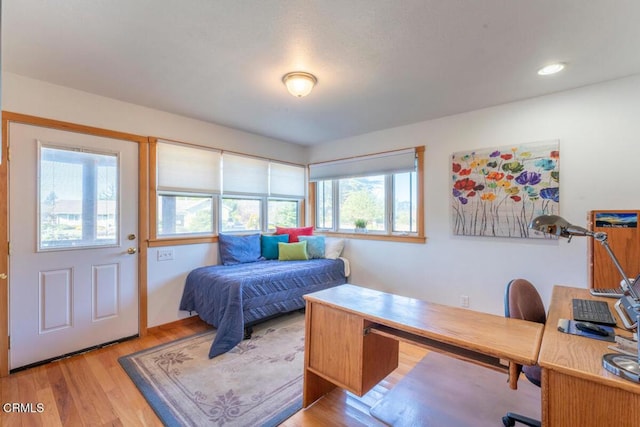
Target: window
324,205
199,192
241,214
284,213
405,201
362,199
188,184
78,198
184,214
381,191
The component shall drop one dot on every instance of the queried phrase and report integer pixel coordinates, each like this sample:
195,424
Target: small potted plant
361,225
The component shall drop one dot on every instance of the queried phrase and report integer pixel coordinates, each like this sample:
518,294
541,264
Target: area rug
258,383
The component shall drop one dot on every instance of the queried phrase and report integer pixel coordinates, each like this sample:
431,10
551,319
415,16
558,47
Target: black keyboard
588,310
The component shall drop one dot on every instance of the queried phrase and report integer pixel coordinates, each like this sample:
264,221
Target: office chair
522,301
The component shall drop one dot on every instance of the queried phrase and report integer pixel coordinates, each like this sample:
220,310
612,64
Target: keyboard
609,293
588,310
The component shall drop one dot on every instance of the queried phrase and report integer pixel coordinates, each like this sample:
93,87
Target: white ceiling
379,63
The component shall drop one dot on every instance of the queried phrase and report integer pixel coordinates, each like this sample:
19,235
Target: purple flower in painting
551,193
494,154
456,193
526,177
463,200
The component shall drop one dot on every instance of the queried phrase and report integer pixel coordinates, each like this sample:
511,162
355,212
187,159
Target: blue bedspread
229,297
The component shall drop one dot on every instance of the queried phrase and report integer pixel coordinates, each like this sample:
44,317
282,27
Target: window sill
374,236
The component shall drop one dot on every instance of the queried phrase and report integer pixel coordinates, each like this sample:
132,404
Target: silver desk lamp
627,367
553,224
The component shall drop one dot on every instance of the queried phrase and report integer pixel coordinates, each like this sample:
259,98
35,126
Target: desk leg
314,388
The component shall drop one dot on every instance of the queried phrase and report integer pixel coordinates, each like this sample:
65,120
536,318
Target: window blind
376,164
244,175
186,168
286,180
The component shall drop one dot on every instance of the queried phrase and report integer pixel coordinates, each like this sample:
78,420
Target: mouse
592,328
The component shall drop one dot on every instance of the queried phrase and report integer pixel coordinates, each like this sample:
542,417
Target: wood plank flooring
91,389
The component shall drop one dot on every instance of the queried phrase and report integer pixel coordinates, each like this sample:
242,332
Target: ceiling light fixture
299,83
551,69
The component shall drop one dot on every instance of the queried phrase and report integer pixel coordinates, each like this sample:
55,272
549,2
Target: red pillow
294,232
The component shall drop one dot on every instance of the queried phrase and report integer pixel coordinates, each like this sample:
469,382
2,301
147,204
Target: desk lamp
553,224
625,366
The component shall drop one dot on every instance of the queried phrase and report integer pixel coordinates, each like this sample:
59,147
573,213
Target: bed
232,297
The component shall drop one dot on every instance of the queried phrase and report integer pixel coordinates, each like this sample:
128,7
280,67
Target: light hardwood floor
92,389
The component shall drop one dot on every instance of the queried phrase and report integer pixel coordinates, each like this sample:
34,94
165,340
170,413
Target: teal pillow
269,245
315,246
292,251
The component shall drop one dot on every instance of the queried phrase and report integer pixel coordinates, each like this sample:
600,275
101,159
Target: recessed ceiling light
551,69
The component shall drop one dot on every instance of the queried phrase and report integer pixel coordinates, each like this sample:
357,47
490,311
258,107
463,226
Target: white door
73,211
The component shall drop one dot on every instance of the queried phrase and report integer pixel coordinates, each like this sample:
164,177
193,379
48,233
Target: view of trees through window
180,214
362,198
283,213
382,203
240,214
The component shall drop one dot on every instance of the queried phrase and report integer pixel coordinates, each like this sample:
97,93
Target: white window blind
286,180
376,164
244,175
186,168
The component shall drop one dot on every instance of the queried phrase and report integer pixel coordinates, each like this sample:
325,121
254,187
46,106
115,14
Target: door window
78,198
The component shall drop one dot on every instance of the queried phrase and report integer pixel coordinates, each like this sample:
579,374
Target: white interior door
73,260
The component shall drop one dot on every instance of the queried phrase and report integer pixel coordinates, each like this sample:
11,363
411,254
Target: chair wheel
508,422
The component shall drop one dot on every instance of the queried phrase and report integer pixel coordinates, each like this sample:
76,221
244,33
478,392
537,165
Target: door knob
132,251
3,276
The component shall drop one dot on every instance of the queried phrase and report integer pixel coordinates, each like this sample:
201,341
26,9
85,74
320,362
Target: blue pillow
239,249
269,245
315,245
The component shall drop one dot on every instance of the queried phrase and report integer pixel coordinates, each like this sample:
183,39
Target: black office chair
522,301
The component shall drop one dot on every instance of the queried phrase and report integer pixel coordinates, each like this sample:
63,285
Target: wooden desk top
497,336
575,355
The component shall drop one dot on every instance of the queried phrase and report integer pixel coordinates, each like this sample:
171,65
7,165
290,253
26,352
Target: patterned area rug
258,383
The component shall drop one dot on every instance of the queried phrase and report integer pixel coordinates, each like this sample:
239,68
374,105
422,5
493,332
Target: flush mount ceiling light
299,83
551,69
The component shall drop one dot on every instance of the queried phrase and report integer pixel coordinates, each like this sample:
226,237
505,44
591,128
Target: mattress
230,297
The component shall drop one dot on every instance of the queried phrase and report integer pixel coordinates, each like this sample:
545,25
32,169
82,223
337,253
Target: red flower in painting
555,154
456,167
465,184
506,156
516,198
465,172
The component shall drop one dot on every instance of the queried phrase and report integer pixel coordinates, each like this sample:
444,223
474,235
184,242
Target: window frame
389,234
156,240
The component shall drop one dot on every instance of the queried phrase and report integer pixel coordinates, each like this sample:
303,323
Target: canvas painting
498,191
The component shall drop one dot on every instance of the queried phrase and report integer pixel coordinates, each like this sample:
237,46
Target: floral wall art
497,192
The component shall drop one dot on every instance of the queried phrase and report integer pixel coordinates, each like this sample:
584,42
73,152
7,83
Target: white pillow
333,248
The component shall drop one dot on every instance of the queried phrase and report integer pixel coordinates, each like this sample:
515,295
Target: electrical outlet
165,254
464,300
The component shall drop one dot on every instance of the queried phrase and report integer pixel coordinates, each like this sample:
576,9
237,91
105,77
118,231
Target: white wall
599,132
165,278
599,141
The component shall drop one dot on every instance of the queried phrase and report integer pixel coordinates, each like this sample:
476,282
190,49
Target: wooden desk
352,337
576,389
